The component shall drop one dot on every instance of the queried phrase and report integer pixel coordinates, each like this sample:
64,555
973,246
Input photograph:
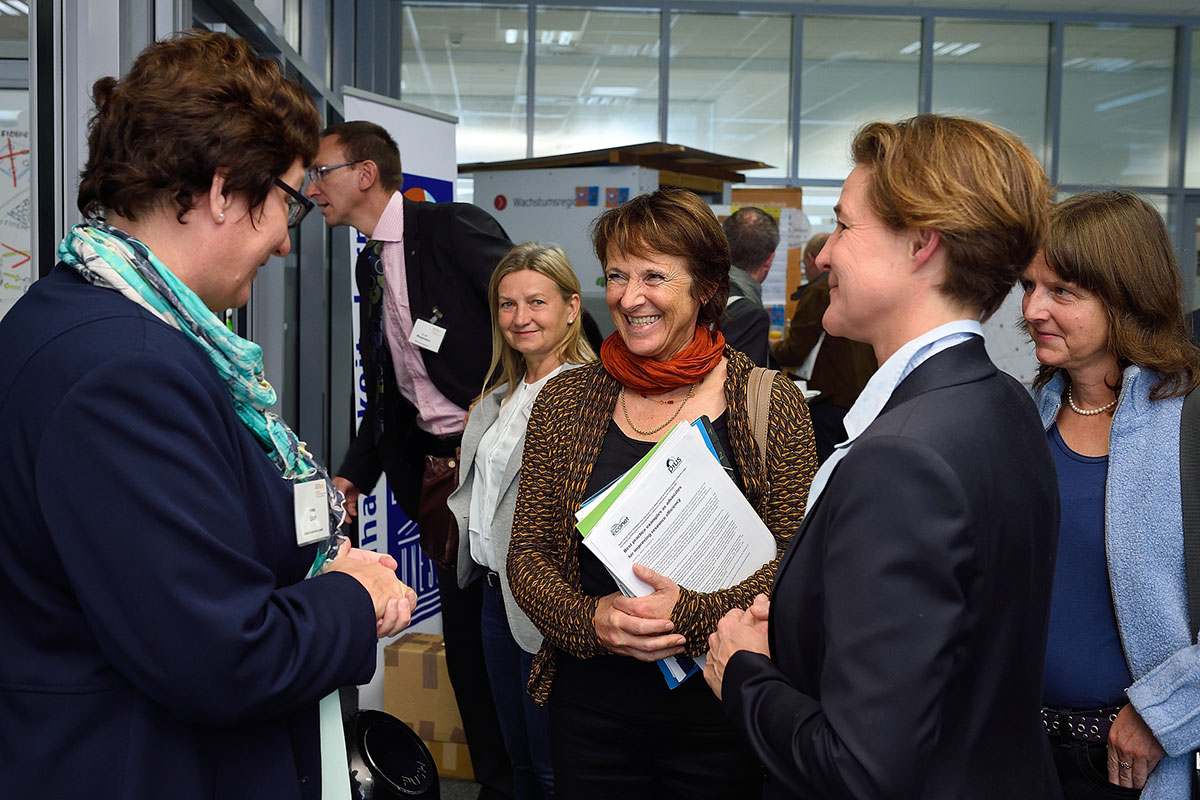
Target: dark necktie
370,265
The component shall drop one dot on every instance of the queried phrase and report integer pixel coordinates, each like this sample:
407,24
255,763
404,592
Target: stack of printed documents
678,512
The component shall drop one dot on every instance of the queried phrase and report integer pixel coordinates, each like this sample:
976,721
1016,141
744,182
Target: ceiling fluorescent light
1109,64
1131,98
510,36
7,9
909,49
616,91
969,47
943,49
19,6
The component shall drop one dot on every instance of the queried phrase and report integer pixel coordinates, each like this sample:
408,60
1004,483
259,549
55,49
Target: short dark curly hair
188,105
671,222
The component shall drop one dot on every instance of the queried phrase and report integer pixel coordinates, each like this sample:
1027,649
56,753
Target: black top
620,684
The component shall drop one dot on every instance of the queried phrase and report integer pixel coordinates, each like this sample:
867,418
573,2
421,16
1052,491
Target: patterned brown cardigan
565,433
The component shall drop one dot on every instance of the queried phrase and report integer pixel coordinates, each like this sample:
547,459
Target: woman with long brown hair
1103,304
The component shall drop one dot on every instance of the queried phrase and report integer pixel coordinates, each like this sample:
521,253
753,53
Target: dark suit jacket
159,639
908,619
843,366
450,251
745,324
746,327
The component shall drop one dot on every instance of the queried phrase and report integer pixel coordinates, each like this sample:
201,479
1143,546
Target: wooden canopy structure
677,165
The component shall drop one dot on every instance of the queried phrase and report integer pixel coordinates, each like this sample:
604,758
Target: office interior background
1104,92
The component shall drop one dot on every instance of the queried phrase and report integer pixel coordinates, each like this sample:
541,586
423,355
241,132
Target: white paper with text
684,518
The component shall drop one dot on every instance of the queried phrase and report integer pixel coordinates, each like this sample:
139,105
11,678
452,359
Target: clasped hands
641,627
737,630
394,602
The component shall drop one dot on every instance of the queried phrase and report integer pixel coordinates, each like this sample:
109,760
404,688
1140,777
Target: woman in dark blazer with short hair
900,655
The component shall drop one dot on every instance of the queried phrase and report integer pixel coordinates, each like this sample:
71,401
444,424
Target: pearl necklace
1091,412
652,431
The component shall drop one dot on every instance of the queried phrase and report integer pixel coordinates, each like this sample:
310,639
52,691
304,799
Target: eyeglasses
316,174
298,204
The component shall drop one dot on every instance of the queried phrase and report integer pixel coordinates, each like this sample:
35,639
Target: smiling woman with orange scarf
616,729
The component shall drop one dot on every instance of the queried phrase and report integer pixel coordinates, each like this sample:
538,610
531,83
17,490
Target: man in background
753,236
425,343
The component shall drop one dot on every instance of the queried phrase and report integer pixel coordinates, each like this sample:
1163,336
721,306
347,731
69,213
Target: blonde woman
534,298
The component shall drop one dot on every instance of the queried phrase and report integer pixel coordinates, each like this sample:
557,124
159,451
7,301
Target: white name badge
312,512
427,335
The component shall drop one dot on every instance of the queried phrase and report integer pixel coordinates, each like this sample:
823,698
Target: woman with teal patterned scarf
178,600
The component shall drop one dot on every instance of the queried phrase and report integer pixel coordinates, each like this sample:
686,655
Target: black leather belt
1089,725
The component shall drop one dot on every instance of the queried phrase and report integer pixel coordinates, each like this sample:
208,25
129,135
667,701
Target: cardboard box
417,691
453,760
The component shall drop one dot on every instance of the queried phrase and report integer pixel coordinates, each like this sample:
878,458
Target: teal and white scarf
111,258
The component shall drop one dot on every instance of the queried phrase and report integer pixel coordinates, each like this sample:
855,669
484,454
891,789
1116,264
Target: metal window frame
1176,190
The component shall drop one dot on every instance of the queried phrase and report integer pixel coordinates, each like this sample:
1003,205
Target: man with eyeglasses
425,342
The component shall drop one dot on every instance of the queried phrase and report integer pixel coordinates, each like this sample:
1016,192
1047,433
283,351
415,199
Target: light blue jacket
1143,535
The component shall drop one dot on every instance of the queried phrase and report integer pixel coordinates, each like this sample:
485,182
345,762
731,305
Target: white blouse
496,448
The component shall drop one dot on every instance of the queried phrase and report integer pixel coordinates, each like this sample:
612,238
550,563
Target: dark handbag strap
1189,485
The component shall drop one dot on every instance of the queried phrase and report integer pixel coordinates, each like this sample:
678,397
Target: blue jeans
523,723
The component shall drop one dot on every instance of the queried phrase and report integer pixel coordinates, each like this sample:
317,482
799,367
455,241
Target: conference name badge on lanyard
427,334
311,503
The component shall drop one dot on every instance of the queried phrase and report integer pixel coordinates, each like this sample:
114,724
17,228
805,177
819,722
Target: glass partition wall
1102,99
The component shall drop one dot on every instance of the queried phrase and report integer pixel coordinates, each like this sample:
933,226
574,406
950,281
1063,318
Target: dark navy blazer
909,614
157,637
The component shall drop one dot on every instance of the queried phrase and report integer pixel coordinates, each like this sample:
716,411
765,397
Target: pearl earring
221,216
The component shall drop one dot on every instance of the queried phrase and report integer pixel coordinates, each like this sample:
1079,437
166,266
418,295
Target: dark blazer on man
450,252
746,325
909,615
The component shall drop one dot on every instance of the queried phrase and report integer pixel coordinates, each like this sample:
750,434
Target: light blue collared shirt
883,383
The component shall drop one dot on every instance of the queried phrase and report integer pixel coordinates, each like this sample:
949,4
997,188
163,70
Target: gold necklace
670,402
652,431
